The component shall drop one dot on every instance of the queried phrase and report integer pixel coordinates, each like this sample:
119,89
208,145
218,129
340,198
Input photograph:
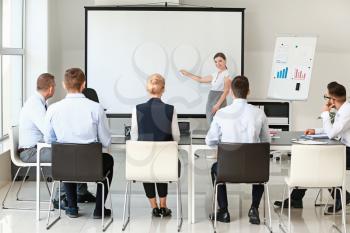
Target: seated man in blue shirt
239,122
31,131
31,120
76,119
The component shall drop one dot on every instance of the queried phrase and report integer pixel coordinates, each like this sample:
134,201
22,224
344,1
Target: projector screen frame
159,8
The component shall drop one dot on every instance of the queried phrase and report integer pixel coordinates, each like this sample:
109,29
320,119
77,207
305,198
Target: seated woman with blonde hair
155,121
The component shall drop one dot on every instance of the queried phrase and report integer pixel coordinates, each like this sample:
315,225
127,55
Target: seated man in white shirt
76,119
239,122
335,98
31,131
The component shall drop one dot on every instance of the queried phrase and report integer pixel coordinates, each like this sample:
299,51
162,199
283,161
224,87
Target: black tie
45,107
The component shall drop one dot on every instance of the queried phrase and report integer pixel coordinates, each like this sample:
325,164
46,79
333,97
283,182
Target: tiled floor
309,219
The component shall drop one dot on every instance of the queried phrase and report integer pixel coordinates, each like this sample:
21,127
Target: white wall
264,20
36,43
66,38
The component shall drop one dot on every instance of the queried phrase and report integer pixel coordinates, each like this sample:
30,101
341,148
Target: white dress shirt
218,81
340,127
76,119
239,122
134,133
31,121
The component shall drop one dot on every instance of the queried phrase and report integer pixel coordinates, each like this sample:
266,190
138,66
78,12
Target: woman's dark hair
222,55
91,94
337,90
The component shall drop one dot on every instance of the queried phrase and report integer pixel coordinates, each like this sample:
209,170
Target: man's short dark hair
240,87
45,81
337,90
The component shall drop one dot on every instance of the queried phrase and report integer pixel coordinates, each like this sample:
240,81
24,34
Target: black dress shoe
98,214
253,215
156,212
338,206
221,216
72,212
64,203
87,197
297,204
165,212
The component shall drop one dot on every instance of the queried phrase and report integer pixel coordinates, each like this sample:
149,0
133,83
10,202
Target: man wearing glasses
335,98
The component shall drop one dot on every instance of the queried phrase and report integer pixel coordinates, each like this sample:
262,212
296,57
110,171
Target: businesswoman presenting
220,85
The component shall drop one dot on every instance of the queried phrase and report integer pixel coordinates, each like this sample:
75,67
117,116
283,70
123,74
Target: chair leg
104,227
20,187
129,201
283,196
264,205
10,188
215,206
22,183
177,205
178,202
126,199
213,201
289,210
48,224
282,225
13,182
110,196
268,206
343,203
319,195
343,211
102,204
334,201
326,205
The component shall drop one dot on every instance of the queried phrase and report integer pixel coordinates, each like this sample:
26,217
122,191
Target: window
11,62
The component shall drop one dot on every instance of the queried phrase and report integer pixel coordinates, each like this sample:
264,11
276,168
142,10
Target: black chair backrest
77,162
243,162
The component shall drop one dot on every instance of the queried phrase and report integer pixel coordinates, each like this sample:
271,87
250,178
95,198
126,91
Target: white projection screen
124,45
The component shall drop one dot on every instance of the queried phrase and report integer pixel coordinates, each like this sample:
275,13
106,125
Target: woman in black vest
155,121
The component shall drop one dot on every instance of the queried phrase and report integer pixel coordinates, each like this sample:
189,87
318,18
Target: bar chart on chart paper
282,73
299,74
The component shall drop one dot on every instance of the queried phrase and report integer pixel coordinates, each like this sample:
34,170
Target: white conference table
281,143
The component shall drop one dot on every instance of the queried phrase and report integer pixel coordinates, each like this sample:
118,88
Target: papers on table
316,136
310,142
